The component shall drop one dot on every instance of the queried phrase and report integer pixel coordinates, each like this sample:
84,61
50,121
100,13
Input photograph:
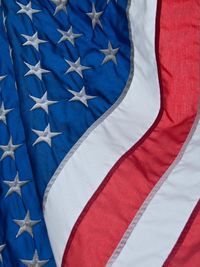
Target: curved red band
186,252
109,212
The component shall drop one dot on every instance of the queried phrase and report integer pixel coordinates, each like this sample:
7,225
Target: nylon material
143,93
126,183
188,193
119,7
13,206
143,253
186,252
105,81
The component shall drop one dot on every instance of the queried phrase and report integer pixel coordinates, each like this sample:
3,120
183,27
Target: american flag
99,133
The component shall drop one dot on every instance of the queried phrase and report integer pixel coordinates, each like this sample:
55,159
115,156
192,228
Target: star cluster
66,63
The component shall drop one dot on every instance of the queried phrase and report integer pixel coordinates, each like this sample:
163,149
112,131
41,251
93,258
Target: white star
77,67
2,77
42,102
60,5
36,70
9,150
1,249
15,186
33,40
110,54
81,96
35,262
69,36
26,225
27,9
3,113
95,16
45,136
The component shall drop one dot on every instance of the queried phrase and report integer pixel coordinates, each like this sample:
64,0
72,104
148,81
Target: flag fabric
99,133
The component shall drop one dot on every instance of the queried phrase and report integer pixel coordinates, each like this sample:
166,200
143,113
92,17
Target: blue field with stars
63,64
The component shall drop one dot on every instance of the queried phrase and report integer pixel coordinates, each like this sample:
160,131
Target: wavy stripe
82,173
166,211
97,122
110,211
186,252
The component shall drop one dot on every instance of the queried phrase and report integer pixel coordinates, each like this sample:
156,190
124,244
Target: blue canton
63,64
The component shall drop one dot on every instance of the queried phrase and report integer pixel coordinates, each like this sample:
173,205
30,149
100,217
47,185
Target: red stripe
186,252
106,217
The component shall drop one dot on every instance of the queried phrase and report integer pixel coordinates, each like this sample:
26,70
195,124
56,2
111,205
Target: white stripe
85,170
158,229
